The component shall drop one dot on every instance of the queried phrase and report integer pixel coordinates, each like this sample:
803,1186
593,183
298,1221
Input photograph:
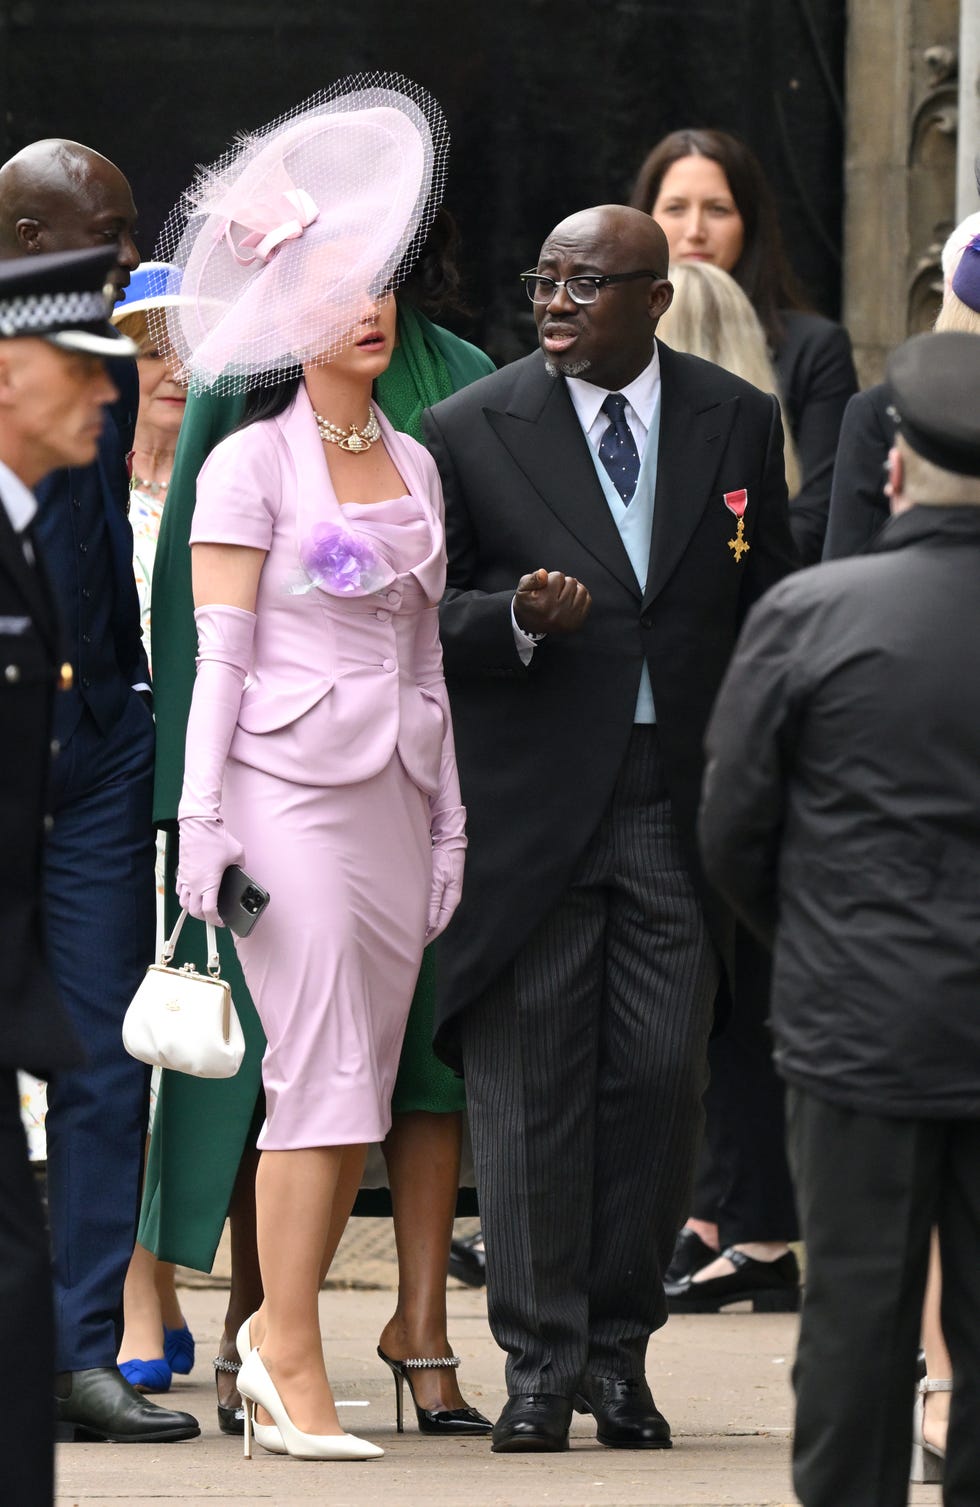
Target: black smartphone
240,900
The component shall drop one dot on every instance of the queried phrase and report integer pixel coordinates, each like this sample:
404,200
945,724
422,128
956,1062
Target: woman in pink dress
319,746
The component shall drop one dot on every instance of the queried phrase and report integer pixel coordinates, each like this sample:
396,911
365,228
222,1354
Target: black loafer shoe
770,1286
467,1262
690,1254
625,1413
100,1404
533,1423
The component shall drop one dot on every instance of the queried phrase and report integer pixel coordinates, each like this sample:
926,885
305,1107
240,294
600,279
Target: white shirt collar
642,395
17,498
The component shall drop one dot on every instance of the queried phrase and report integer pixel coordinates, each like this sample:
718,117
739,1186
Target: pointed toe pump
432,1420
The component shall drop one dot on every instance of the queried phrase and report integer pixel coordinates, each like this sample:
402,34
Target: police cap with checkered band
62,298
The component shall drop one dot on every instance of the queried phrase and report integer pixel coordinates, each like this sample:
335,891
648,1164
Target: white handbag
183,1019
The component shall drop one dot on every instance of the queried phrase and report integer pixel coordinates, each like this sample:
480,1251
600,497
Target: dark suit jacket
539,749
107,481
816,377
858,505
34,1031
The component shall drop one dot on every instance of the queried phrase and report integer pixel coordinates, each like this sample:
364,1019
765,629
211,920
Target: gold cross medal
735,503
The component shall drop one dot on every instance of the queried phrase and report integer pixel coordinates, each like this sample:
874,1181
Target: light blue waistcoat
635,525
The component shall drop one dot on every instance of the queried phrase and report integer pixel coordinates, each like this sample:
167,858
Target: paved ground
723,1381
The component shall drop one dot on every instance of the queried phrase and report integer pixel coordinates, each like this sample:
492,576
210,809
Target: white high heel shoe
266,1434
259,1390
927,1460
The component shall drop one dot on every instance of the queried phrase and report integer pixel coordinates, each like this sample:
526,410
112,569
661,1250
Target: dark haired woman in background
203,1158
709,193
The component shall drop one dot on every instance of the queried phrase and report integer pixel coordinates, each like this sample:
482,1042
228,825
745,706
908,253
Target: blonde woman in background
712,318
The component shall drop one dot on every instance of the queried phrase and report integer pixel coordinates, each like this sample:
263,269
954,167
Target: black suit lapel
542,433
694,432
28,580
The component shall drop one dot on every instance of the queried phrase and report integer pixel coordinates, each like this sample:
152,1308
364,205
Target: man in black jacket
58,196
577,981
841,817
54,331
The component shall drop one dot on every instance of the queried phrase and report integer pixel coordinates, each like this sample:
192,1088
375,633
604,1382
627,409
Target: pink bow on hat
266,237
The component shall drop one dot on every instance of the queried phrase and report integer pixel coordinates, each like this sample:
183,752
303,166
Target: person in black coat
841,817
52,388
858,500
98,871
575,986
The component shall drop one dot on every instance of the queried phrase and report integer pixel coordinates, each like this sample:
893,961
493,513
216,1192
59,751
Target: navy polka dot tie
617,448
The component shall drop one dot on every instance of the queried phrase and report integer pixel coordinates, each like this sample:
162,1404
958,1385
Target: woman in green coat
202,1154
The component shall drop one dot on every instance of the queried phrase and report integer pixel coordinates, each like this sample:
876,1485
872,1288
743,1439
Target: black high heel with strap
230,1420
432,1420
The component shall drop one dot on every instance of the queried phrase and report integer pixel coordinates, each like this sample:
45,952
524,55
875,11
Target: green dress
201,1126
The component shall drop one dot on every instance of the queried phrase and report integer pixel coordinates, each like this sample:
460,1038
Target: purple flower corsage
342,563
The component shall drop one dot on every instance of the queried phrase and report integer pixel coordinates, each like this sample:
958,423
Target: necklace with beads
351,439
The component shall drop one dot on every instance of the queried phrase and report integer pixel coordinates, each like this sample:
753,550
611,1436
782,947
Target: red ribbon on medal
736,502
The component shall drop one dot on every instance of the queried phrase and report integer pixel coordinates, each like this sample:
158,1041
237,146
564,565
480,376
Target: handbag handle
214,962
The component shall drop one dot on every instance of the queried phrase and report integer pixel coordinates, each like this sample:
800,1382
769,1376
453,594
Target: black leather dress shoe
771,1286
100,1404
467,1262
690,1254
625,1413
533,1423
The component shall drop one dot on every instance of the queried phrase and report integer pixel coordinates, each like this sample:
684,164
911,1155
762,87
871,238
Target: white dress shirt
20,505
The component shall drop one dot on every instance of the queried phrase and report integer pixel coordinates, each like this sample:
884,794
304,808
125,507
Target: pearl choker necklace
352,439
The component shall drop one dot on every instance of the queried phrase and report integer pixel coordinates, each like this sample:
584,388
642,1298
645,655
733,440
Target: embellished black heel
230,1420
432,1420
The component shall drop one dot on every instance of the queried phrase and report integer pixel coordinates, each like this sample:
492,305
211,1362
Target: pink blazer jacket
339,682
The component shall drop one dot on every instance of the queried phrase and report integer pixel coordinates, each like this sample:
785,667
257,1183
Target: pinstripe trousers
585,1063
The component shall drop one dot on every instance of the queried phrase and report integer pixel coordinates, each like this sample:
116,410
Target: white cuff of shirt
525,643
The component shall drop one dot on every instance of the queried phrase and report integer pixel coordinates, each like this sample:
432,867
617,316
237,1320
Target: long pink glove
448,828
224,636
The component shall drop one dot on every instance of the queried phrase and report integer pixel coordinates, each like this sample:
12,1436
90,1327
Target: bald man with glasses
613,509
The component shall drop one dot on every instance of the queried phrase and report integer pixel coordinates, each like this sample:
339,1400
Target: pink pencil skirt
333,960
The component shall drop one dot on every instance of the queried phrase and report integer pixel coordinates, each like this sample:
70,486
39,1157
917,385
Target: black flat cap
62,298
934,384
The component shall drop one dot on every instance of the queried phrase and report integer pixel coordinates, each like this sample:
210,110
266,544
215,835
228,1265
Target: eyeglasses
580,289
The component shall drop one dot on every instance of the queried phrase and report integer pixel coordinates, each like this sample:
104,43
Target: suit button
83,548
48,823
86,682
389,665
383,617
646,620
86,638
55,748
86,593
76,504
12,674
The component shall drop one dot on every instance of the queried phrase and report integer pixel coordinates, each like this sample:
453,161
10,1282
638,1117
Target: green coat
202,1126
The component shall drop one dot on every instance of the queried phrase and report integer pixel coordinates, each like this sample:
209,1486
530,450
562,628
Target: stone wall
900,169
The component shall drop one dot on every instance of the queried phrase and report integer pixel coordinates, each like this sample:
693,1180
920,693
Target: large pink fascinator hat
279,245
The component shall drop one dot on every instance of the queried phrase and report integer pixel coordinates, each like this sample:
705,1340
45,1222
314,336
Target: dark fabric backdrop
552,104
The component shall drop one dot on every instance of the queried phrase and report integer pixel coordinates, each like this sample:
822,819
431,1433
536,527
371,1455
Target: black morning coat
539,748
858,505
34,1030
815,371
841,816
